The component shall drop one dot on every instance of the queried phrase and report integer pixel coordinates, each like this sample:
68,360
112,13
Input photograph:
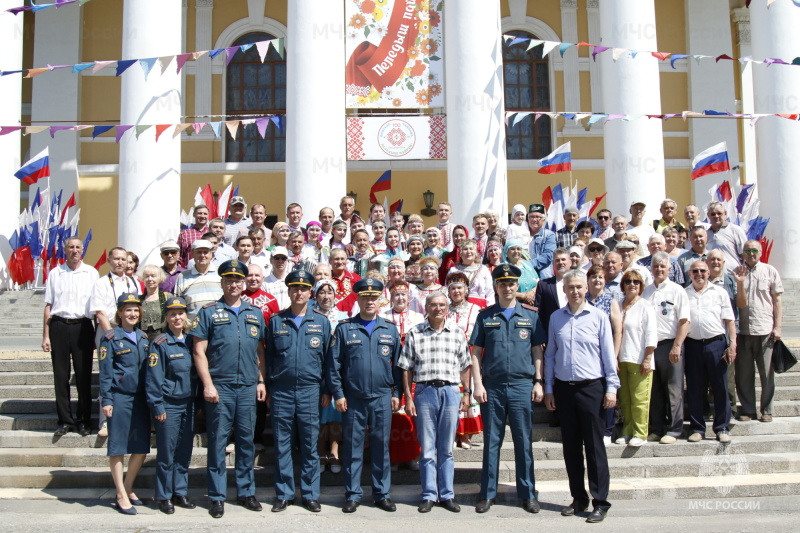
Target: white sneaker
623,440
607,440
230,448
636,442
668,439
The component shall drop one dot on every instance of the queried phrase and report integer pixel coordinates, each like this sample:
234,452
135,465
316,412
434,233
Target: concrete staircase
763,459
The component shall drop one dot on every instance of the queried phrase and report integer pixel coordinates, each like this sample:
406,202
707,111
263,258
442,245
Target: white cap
202,243
280,250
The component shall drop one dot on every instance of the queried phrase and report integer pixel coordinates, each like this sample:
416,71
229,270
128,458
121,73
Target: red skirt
470,423
403,445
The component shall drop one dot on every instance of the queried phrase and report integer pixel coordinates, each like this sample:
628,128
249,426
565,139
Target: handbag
782,358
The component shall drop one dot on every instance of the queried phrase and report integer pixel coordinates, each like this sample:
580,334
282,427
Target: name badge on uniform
122,352
354,339
386,337
524,324
251,318
280,332
175,355
492,324
314,328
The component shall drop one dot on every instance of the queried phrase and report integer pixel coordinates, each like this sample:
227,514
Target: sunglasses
631,282
751,251
595,249
603,218
175,252
699,271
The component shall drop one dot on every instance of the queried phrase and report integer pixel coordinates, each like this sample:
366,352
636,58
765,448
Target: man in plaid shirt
436,357
192,233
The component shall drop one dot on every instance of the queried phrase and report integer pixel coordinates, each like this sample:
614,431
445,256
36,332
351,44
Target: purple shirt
580,348
168,285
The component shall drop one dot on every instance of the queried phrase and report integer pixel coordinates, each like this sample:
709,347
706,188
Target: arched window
526,76
255,88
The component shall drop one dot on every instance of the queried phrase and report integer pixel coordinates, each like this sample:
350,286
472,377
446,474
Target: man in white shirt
222,251
627,251
274,284
258,214
294,216
68,321
722,235
639,228
260,255
202,284
604,229
236,221
672,318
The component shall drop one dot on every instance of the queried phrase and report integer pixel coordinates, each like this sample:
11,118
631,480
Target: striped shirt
198,289
436,355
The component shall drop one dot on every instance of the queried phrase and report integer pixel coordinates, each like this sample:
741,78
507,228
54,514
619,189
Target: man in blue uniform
229,357
507,373
296,342
364,379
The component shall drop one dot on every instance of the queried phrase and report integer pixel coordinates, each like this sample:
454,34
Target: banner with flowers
394,50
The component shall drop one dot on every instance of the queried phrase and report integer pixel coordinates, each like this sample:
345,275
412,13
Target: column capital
592,4
569,4
741,17
200,4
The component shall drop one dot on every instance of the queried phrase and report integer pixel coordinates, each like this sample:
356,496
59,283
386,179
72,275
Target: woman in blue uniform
171,378
123,352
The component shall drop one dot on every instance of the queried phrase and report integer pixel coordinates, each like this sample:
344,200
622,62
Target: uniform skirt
129,425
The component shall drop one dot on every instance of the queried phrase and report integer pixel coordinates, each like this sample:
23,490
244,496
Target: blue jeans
437,419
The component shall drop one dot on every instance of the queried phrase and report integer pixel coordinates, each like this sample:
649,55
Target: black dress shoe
250,503
166,507
350,506
484,505
183,501
386,505
597,515
130,511
532,506
425,506
216,508
136,501
312,505
63,429
574,508
83,430
450,505
280,505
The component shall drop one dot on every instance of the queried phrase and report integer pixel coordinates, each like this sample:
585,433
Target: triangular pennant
563,47
165,61
279,47
534,43
34,129
121,131
33,72
214,53
100,65
724,56
548,47
180,128
54,129
278,121
198,55
596,118
676,57
261,124
147,65
142,128
215,127
81,67
122,66
520,117
233,127
662,56
198,127
181,60
161,128
99,130
599,50
263,49
229,53
246,47
796,61
616,53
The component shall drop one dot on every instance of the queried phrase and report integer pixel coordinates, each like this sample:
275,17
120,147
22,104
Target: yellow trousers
634,398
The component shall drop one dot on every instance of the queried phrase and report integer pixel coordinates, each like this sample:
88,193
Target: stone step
35,365
36,378
715,467
41,392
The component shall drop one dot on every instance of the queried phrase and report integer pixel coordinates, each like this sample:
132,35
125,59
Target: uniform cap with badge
128,298
506,272
176,302
233,267
368,287
299,278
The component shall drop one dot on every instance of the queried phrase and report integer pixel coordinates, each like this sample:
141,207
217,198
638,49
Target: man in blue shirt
364,379
581,380
543,243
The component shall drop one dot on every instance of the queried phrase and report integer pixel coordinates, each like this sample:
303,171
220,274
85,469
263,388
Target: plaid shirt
185,240
431,355
565,238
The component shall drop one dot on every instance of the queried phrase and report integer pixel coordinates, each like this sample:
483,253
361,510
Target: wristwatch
539,381
260,382
467,391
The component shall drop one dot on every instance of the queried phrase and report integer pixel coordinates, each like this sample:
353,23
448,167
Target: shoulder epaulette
284,311
390,321
210,304
316,310
109,334
528,307
485,308
160,339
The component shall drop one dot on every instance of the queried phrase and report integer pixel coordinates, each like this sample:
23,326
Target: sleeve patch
102,353
153,359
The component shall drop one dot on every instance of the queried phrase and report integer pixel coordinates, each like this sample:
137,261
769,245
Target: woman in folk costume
481,288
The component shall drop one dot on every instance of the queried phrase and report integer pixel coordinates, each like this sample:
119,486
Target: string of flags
616,53
261,122
515,117
35,8
148,64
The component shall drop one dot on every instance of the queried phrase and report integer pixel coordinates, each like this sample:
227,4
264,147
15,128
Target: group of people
416,339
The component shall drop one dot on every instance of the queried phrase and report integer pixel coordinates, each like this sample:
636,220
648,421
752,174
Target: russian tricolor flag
384,183
711,161
35,169
558,161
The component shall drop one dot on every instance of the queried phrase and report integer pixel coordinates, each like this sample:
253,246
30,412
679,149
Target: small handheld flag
384,183
35,169
559,161
711,161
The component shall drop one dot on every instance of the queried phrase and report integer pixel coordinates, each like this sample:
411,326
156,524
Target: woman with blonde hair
152,322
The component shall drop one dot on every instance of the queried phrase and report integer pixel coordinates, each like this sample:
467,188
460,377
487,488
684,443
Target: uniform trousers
174,442
666,400
375,414
294,413
235,411
510,401
705,364
756,349
582,425
75,342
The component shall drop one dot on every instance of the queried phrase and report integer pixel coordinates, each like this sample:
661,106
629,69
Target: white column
634,150
56,95
476,137
775,35
593,15
741,17
572,81
150,171
10,114
316,136
202,72
711,86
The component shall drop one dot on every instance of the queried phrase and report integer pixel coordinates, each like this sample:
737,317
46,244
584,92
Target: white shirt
730,240
562,296
639,331
671,305
707,310
643,232
262,259
68,291
277,288
106,290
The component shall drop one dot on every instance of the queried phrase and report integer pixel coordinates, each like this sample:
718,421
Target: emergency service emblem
103,353
254,331
315,342
194,322
523,334
153,359
385,349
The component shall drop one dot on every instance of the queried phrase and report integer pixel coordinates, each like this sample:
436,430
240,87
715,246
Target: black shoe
136,501
312,505
182,501
280,505
386,505
450,505
597,515
555,423
63,429
83,430
250,503
574,508
130,511
216,508
425,506
484,505
166,507
350,506
532,506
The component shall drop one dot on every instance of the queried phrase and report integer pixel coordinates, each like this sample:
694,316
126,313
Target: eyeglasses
751,251
699,271
280,258
603,218
169,252
634,242
631,282
595,249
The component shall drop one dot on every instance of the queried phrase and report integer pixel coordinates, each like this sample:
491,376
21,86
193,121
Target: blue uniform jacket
232,350
296,356
507,343
363,366
122,364
170,371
